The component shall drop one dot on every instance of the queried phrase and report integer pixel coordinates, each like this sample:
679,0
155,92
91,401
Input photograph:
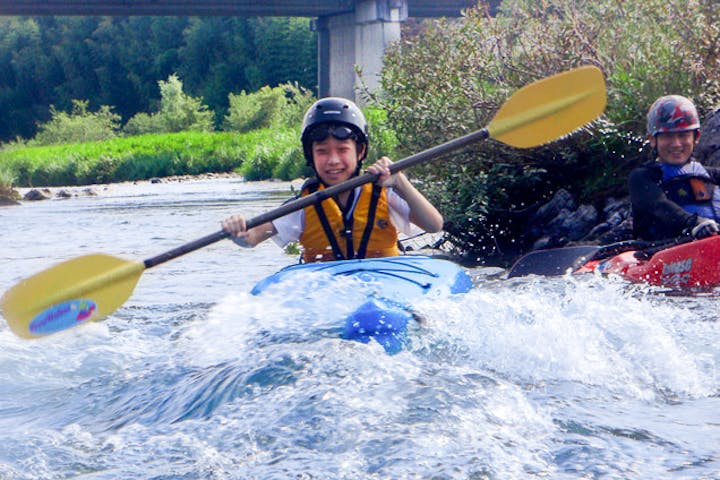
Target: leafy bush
383,140
78,126
178,112
7,180
281,106
142,123
256,110
453,77
274,153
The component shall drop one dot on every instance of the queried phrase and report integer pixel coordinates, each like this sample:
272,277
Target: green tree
178,112
285,52
79,125
27,76
214,57
281,106
118,61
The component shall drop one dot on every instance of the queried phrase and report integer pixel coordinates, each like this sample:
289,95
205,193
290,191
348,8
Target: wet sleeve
289,227
651,206
399,212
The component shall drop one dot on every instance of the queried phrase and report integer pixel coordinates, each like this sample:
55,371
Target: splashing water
194,377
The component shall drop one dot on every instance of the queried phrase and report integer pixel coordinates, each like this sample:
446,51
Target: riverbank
257,155
559,222
48,192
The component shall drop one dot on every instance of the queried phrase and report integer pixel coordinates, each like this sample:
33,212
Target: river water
194,378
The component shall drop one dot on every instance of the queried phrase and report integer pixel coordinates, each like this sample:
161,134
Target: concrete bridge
351,33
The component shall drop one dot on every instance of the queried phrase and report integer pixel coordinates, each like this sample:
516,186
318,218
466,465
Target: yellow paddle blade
84,288
550,108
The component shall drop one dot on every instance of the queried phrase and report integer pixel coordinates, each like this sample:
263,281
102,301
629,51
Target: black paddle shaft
320,195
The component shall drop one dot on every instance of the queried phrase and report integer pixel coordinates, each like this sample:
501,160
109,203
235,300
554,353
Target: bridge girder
285,8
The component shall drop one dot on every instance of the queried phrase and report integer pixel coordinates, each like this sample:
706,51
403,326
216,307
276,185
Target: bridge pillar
356,40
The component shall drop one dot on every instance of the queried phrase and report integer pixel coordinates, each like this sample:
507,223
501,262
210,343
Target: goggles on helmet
340,132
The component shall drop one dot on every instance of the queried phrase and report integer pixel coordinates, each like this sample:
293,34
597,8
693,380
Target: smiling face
674,148
335,160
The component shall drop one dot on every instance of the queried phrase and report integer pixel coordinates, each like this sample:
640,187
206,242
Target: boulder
580,222
707,150
7,200
562,221
35,194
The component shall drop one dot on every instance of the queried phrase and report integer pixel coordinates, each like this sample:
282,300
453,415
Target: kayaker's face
335,160
674,148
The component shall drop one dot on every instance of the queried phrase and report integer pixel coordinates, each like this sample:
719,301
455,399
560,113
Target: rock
618,233
612,205
7,200
548,242
63,194
598,230
540,222
156,180
561,200
707,150
35,194
577,224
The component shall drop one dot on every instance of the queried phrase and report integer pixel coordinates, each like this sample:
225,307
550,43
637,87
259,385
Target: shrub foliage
452,78
79,125
178,112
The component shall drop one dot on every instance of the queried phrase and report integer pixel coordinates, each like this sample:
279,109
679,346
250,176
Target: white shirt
291,226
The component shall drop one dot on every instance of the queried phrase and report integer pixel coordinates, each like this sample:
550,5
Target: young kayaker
360,223
674,195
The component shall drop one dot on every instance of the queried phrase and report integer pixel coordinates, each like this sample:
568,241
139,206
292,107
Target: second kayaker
674,195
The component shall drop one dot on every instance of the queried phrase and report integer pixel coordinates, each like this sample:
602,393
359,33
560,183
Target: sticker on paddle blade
62,316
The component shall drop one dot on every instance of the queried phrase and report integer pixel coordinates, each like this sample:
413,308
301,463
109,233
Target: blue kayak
390,285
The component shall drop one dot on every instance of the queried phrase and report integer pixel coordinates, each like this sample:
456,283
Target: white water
193,378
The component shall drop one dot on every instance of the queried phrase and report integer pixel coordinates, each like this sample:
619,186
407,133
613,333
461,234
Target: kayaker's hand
382,168
237,229
704,228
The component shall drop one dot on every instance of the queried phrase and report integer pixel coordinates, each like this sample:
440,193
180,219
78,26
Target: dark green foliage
453,77
119,61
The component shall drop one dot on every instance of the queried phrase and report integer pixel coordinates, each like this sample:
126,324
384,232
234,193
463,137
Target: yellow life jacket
368,233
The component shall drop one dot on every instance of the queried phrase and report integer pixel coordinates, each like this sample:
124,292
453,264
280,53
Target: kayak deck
390,284
689,265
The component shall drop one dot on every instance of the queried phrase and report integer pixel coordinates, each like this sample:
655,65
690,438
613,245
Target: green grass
260,154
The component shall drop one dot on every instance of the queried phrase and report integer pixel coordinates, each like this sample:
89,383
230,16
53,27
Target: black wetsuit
655,216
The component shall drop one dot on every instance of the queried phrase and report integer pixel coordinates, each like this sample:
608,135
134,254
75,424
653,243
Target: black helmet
337,111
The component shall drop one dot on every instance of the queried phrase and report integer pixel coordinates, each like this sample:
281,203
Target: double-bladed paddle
93,286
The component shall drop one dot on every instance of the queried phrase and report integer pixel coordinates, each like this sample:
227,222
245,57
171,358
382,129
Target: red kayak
692,264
